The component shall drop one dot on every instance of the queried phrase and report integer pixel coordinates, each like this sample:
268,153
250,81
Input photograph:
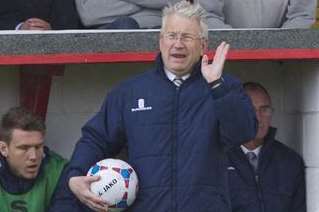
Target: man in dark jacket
264,174
38,15
176,120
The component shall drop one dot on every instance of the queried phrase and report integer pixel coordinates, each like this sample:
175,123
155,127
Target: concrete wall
302,81
9,87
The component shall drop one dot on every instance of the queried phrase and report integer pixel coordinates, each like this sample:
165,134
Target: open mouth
178,56
32,168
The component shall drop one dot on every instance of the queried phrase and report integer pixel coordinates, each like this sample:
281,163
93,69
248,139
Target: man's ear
4,149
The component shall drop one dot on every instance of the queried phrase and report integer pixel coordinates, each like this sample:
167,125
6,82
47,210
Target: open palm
213,71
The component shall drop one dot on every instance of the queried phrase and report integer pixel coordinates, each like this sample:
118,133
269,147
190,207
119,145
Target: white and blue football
118,184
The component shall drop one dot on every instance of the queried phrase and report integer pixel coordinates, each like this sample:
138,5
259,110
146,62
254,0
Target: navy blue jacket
279,185
176,139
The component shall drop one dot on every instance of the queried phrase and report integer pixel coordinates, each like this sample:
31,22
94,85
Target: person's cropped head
183,36
21,142
261,101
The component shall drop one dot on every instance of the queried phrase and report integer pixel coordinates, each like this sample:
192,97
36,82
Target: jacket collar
160,68
265,156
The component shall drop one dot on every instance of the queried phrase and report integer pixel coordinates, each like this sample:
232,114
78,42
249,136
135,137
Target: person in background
121,14
29,171
260,14
176,120
264,174
38,15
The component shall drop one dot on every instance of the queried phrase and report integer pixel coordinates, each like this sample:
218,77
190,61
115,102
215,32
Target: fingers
91,179
204,60
96,203
36,24
221,51
80,186
225,50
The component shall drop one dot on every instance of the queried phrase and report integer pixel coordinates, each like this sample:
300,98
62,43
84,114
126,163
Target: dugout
64,76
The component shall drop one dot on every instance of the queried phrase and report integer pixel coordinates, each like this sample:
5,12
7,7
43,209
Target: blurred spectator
260,14
264,174
121,14
38,15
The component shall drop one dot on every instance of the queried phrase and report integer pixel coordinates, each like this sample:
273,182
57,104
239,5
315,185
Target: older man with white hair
176,120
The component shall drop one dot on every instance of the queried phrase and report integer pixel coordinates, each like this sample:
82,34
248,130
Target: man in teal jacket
28,171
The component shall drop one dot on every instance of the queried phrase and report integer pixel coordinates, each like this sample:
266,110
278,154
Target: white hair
190,10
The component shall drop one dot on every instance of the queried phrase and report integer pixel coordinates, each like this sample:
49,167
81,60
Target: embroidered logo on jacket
231,168
141,106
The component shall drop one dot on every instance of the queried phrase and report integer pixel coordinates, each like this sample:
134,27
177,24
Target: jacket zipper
259,193
174,151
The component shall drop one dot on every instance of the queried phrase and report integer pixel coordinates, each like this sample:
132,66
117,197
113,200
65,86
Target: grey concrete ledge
83,42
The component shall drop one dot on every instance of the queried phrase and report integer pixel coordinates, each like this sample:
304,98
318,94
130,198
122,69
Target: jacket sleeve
235,113
298,202
102,137
10,16
150,4
215,15
94,12
300,14
64,15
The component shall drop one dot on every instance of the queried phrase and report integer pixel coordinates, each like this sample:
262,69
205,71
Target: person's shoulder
287,153
136,81
232,82
230,78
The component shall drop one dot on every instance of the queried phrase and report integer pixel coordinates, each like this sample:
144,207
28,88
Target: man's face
262,105
179,55
24,153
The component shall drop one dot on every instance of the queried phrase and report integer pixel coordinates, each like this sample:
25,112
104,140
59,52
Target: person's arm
15,15
102,137
236,116
298,201
95,12
300,14
9,15
63,199
64,15
150,4
34,24
215,15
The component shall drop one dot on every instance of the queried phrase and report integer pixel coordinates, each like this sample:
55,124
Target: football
118,184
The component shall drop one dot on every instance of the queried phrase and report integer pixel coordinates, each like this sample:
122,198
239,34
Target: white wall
306,90
9,88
